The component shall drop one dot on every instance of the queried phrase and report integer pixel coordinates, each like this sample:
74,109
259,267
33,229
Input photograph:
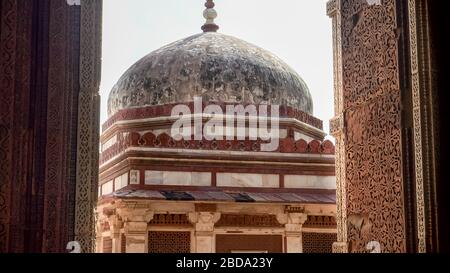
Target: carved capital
293,221
298,218
115,223
204,221
100,225
135,215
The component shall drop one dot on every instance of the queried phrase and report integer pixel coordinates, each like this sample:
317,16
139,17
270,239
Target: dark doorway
249,243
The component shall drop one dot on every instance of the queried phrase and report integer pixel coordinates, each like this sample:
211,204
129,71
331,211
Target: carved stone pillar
135,224
367,37
204,230
293,224
116,225
88,123
337,128
98,237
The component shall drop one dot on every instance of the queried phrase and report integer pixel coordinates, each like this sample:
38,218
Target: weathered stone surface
212,65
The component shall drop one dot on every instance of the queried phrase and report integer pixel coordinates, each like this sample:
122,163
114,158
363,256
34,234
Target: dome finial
210,14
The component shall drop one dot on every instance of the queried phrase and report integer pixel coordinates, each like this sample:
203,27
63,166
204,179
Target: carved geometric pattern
317,243
7,64
418,137
88,124
53,208
373,158
169,242
320,222
38,123
369,51
374,177
235,220
337,126
170,220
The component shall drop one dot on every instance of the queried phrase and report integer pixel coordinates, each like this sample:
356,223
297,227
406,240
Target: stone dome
216,67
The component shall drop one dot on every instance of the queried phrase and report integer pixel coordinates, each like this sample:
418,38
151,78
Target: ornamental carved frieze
204,221
150,140
240,220
320,221
170,220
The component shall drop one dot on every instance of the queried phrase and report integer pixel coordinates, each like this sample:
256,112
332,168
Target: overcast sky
297,31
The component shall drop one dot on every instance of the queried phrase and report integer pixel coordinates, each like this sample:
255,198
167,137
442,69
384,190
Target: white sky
297,31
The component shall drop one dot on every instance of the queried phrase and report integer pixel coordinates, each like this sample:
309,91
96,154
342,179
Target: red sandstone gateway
161,194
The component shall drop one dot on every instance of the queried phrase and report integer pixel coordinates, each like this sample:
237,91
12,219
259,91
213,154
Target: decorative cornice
165,111
170,220
241,220
164,141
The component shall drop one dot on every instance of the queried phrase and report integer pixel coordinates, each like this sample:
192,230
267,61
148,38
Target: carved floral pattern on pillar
371,100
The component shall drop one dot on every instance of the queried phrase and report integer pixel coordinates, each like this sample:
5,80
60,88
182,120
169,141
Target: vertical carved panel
337,127
374,175
56,150
417,134
424,41
371,92
40,86
7,77
88,123
70,111
370,51
21,162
